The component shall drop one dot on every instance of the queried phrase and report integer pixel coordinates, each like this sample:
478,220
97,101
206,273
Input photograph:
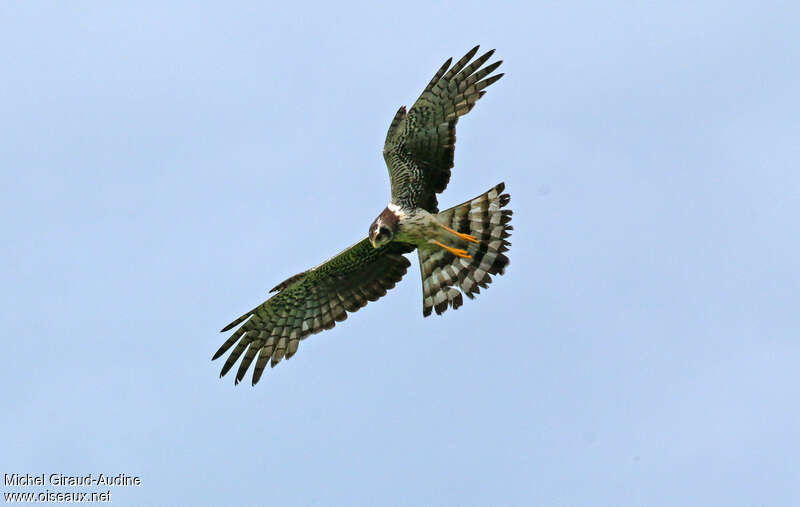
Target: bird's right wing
312,301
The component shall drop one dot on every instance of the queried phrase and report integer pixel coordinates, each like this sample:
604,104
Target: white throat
397,210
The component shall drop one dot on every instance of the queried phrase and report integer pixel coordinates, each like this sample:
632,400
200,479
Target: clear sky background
165,163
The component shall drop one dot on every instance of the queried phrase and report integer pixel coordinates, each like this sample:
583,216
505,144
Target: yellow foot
458,252
465,237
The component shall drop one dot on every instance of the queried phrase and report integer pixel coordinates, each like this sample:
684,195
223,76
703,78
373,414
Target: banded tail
443,274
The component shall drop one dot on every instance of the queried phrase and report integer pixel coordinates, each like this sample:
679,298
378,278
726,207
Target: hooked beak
372,240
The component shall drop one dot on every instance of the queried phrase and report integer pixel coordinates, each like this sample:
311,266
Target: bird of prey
459,248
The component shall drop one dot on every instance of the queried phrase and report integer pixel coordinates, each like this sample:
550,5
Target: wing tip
238,321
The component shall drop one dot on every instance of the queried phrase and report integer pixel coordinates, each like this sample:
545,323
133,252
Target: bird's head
383,228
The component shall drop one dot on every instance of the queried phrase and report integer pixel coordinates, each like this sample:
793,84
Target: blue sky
165,163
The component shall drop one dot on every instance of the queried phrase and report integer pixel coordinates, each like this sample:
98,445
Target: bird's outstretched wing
419,145
312,301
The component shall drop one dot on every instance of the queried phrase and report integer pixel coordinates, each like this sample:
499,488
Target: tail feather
443,274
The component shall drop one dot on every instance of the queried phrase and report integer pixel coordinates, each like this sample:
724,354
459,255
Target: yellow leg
466,237
458,252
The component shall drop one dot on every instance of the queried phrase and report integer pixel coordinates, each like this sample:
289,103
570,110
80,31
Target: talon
458,252
463,236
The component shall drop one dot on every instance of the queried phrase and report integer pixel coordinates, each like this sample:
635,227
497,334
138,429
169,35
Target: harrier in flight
459,248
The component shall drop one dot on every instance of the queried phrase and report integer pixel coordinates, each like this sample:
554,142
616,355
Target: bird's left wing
419,145
312,301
